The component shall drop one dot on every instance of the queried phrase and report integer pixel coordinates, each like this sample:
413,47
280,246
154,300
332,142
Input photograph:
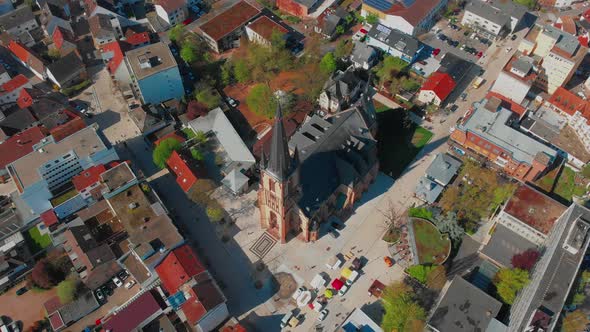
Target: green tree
200,137
54,53
509,282
343,48
215,213
390,68
575,321
176,34
372,18
402,312
197,154
420,272
163,151
66,290
579,298
448,224
409,85
188,53
530,4
340,29
227,73
241,71
328,63
349,19
208,97
261,100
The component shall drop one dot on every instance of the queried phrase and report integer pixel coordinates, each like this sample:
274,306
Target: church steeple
279,163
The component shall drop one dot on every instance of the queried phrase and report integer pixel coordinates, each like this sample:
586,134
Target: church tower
278,184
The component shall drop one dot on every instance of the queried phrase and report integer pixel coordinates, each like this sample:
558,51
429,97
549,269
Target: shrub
66,291
420,272
508,282
525,260
420,212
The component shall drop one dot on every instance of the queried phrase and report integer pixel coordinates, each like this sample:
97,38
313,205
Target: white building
18,21
411,17
516,79
172,11
493,18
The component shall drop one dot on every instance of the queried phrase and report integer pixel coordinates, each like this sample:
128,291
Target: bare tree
393,219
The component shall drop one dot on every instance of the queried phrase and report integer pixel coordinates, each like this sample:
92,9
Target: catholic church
321,171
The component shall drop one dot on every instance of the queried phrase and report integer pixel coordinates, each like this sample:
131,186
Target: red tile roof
60,35
264,26
440,83
137,38
204,296
49,218
15,83
88,177
534,209
178,267
20,145
184,175
52,305
117,50
19,51
24,99
507,103
170,5
415,13
56,321
231,19
583,40
134,314
568,25
193,310
568,102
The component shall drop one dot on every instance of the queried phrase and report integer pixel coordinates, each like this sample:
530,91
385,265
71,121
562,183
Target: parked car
130,284
436,51
388,261
232,102
343,290
122,275
334,233
336,225
99,295
298,292
21,291
286,319
513,37
117,282
479,54
441,37
323,315
107,290
352,278
508,49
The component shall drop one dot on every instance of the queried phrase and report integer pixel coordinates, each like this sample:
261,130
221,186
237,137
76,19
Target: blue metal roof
177,300
379,4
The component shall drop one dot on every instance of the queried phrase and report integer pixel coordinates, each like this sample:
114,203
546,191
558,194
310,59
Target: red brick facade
293,8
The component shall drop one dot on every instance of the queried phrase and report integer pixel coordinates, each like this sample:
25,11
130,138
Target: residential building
197,297
487,131
64,41
15,256
517,78
494,18
116,179
439,174
102,30
261,30
18,21
18,146
341,90
554,274
63,315
136,39
28,59
88,256
299,8
455,66
10,90
556,3
237,156
321,171
395,43
428,190
136,315
329,20
114,55
223,31
88,180
504,244
561,55
464,307
359,321
67,71
575,110
436,88
410,17
363,56
530,214
185,177
41,174
154,73
172,12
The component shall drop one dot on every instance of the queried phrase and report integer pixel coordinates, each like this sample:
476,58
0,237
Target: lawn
566,186
36,241
379,108
64,197
432,246
399,141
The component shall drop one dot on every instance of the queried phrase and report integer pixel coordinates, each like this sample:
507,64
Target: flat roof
83,143
494,127
229,20
265,26
118,176
150,59
504,244
533,208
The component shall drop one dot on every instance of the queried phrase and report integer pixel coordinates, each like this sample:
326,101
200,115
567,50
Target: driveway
28,307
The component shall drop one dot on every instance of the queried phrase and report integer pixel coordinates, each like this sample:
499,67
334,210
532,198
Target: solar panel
407,3
177,300
379,4
384,29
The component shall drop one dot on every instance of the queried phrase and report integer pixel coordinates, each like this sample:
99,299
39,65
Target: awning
337,284
346,272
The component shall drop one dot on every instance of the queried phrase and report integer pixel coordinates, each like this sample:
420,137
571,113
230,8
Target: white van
286,319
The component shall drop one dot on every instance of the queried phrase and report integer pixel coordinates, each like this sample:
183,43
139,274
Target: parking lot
460,36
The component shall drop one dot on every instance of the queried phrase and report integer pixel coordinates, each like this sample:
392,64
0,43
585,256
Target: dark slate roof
334,151
396,39
341,84
17,120
279,163
443,168
83,237
82,306
504,244
16,17
556,270
464,307
66,67
454,66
